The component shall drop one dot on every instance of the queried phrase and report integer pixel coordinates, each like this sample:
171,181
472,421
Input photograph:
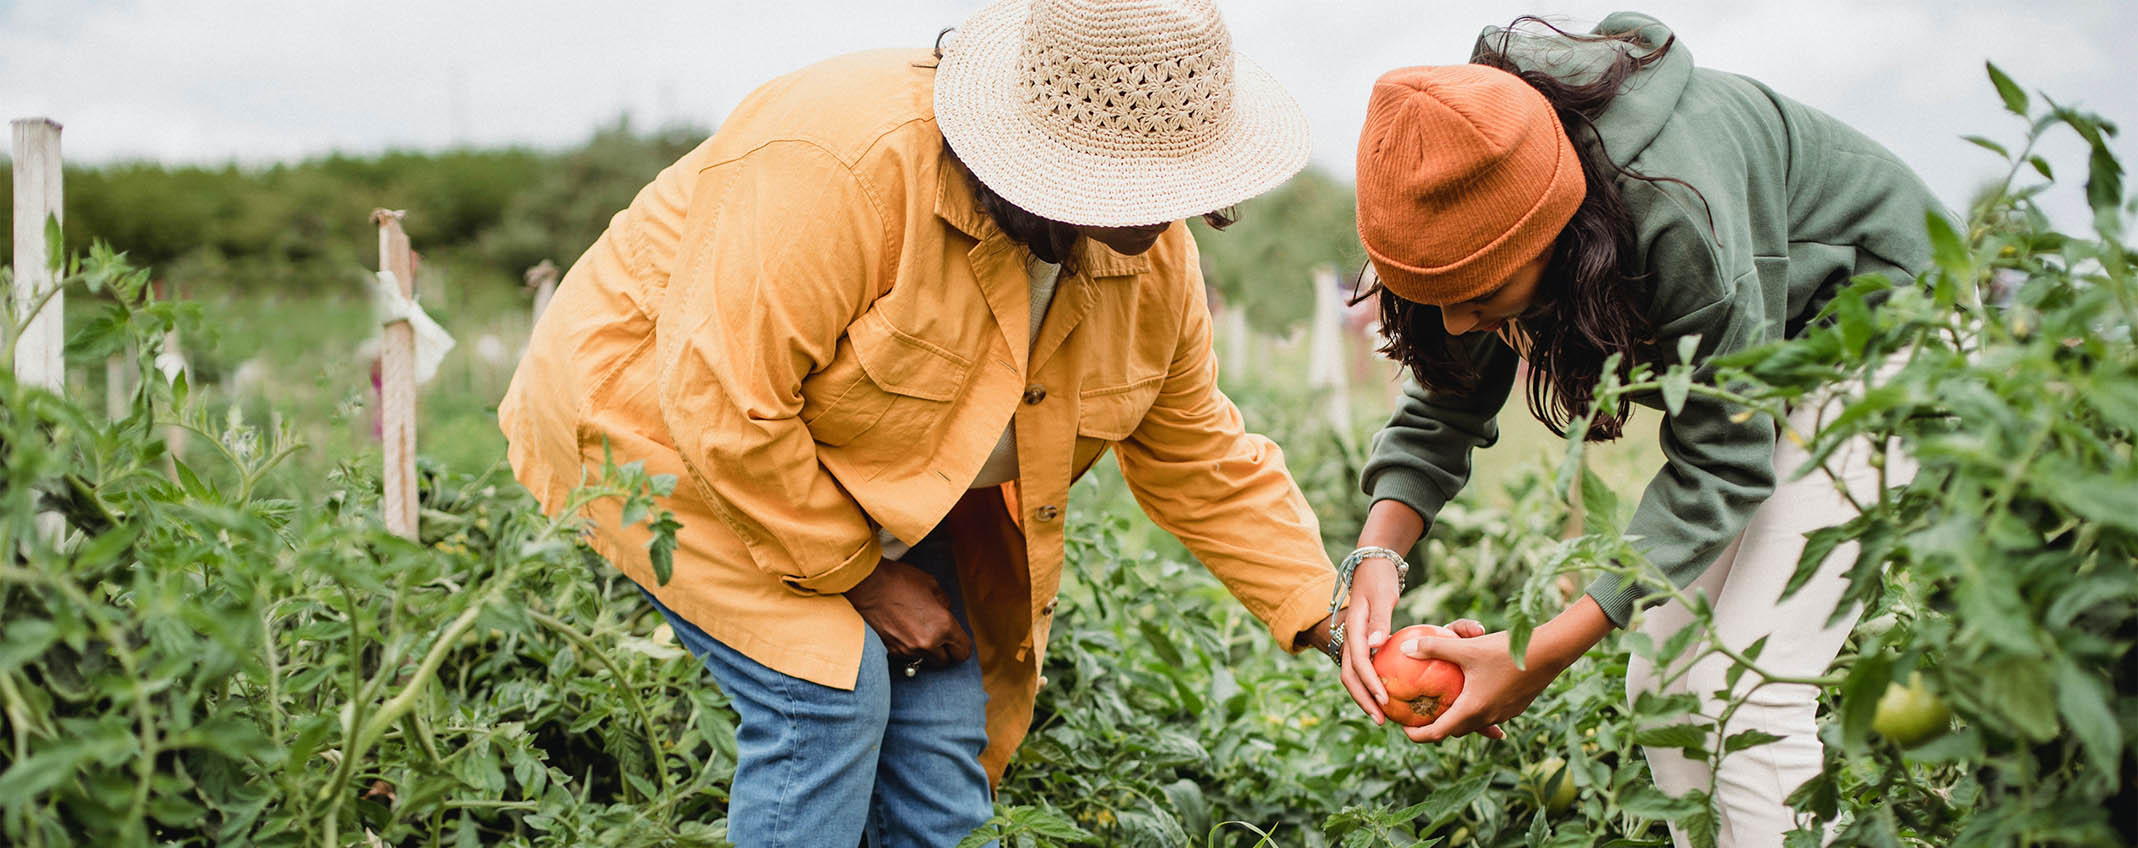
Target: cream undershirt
1001,464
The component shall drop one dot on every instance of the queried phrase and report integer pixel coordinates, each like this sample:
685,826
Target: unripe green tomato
1911,715
1872,628
1549,781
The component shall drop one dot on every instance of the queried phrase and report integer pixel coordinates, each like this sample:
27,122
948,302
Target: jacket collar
999,267
956,205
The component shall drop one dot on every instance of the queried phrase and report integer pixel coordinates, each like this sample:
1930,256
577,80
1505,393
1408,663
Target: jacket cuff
1616,597
1305,607
841,578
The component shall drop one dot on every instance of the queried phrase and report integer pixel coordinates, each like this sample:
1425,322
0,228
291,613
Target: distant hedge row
285,228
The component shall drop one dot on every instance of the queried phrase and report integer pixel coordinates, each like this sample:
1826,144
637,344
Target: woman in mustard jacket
876,326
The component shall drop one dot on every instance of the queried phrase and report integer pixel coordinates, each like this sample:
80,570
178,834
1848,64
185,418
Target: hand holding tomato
1365,619
1419,690
1492,690
1414,691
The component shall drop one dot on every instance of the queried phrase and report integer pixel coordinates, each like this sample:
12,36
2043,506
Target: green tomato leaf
1160,643
1599,503
1650,803
2015,100
1677,383
1449,800
1688,345
55,247
1946,246
1818,545
1049,823
661,549
41,771
1737,670
24,640
2104,187
1520,627
1866,683
2084,703
2026,696
1988,145
1747,739
1691,736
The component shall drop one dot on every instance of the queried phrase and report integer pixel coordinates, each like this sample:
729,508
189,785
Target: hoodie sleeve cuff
1616,597
1412,490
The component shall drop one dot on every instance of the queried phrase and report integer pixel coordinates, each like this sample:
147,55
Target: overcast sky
266,80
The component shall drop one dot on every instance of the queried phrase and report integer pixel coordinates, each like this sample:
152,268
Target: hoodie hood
1649,97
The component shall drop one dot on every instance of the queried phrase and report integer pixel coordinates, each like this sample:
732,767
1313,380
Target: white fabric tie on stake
432,341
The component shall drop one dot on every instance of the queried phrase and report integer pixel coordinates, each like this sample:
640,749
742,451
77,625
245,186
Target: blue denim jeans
894,762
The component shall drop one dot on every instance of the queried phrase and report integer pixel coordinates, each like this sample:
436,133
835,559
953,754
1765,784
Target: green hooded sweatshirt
1799,204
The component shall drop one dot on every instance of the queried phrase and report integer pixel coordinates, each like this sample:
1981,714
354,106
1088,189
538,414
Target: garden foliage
205,651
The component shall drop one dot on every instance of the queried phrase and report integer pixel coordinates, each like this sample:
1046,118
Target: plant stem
151,743
638,705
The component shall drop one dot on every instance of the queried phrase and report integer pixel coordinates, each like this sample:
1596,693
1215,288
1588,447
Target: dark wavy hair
1048,239
1590,302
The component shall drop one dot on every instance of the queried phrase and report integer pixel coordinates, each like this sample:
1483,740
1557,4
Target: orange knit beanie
1464,175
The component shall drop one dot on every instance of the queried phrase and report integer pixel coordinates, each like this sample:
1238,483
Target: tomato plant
214,649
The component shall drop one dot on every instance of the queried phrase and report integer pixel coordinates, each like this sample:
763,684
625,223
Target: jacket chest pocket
1108,414
891,386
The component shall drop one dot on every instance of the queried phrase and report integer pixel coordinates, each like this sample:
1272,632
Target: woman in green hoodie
1565,198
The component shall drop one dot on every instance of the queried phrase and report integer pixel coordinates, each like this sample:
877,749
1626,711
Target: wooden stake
1238,339
170,364
397,384
1325,347
37,200
118,385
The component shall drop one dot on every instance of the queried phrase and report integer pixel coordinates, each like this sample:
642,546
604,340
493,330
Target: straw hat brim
979,108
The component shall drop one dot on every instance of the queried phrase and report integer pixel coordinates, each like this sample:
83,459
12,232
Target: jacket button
1048,609
1034,394
1047,513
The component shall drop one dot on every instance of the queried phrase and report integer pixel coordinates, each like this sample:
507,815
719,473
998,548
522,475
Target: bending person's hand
1373,601
1493,689
910,612
1469,628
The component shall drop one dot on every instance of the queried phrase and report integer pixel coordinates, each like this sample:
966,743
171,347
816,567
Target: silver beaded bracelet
1344,570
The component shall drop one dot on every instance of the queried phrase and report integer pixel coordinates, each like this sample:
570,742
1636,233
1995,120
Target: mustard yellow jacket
810,323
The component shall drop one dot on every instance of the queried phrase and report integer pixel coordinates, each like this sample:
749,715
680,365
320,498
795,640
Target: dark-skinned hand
910,612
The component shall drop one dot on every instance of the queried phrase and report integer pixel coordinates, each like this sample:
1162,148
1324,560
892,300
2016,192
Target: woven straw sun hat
1114,113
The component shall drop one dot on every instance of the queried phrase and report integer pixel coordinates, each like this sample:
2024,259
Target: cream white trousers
1744,586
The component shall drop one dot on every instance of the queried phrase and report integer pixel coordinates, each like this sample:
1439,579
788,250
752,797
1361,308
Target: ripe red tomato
1418,690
